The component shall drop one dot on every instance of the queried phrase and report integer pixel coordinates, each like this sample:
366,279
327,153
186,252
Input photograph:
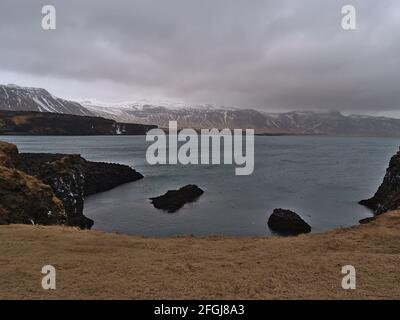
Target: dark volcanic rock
27,200
101,176
65,175
45,189
24,198
72,178
388,195
367,220
287,222
173,200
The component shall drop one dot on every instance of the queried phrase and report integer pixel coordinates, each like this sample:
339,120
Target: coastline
99,265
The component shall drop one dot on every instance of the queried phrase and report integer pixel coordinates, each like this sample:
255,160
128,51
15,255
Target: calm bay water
321,178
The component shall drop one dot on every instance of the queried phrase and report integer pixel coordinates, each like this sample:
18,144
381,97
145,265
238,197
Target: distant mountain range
296,122
16,98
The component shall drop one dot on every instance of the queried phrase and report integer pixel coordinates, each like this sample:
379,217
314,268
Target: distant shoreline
61,124
16,134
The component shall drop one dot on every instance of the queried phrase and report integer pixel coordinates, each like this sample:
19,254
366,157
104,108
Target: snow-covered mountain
15,98
296,122
188,116
159,113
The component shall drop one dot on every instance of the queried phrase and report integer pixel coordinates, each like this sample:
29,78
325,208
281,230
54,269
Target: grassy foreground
97,265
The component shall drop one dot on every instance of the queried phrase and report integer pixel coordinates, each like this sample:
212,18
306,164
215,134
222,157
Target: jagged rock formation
387,197
44,123
287,222
72,178
65,175
24,198
61,183
173,200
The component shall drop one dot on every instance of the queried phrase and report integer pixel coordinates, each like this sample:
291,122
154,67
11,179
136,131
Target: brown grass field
97,265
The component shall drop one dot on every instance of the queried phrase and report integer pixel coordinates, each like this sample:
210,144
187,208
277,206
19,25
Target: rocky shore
99,265
388,195
49,189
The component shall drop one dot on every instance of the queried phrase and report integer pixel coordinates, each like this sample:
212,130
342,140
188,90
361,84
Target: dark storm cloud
276,55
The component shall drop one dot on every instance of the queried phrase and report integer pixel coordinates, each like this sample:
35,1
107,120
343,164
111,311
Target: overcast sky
273,55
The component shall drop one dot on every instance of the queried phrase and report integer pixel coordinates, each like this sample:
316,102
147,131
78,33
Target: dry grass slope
96,265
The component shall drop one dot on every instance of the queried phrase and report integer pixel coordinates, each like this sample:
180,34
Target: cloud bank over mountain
269,55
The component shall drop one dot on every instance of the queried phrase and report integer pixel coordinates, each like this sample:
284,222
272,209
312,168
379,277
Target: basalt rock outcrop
24,198
287,222
65,175
387,197
173,200
100,176
27,200
94,177
60,184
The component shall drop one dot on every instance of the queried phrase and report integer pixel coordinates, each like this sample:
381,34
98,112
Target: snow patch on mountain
16,98
207,116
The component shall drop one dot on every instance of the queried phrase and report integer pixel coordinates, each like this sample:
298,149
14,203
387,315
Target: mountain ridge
333,123
17,98
293,122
